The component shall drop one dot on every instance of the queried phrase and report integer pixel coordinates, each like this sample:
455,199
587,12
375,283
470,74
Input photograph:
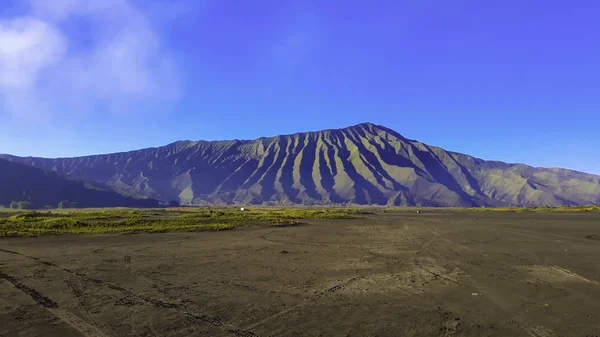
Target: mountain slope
362,164
22,183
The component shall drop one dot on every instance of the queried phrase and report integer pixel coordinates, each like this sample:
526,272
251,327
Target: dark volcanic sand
436,273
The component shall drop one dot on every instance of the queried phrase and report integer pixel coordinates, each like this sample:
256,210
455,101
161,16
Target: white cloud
27,45
45,69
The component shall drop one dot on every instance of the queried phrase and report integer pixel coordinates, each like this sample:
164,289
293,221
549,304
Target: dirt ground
437,273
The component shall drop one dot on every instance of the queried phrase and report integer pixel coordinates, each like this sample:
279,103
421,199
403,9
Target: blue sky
517,81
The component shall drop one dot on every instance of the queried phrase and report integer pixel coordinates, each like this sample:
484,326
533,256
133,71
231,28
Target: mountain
37,188
361,164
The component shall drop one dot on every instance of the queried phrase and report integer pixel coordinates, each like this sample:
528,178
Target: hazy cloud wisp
45,69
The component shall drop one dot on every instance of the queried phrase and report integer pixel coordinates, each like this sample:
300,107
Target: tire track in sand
532,329
76,291
156,302
308,301
421,246
86,329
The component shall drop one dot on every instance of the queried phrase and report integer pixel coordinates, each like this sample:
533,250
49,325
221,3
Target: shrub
61,223
32,215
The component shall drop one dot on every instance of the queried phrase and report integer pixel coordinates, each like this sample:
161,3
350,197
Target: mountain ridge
187,141
361,164
22,184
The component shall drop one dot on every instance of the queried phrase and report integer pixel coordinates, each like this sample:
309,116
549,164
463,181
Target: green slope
362,164
37,188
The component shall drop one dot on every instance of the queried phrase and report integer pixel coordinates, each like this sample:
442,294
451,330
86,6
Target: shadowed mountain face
39,188
362,164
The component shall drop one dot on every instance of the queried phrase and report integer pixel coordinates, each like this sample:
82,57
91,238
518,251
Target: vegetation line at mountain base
124,221
586,208
129,221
